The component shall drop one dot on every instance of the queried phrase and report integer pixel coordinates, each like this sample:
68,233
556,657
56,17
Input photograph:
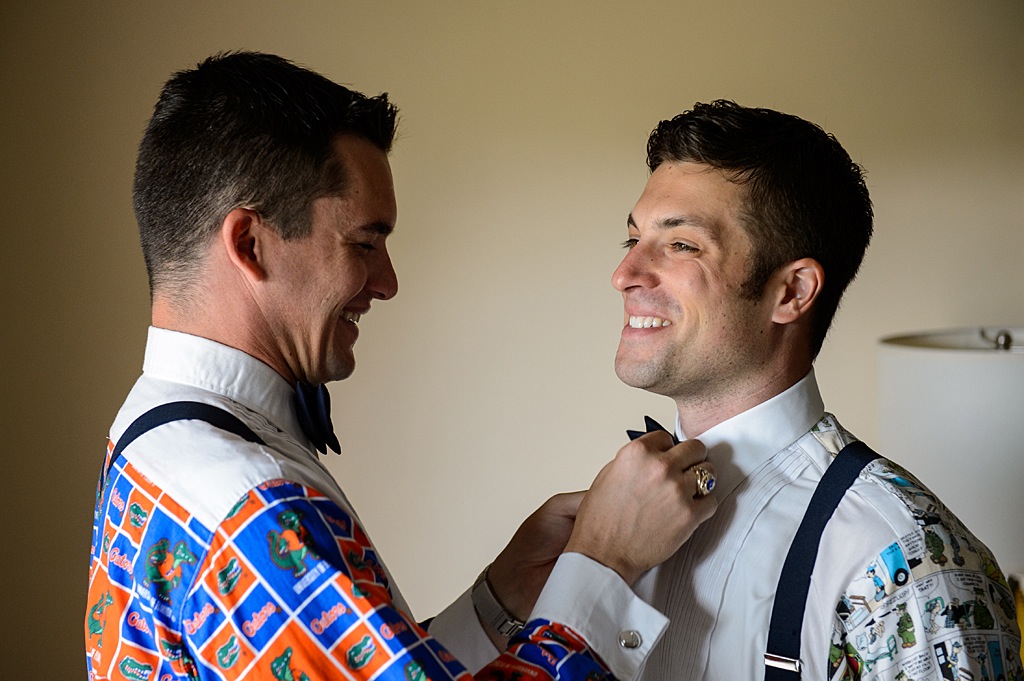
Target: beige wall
487,384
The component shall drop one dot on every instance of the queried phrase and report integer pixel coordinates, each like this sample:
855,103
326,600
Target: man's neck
228,325
700,413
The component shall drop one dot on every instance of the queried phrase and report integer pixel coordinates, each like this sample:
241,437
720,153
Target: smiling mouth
351,317
647,322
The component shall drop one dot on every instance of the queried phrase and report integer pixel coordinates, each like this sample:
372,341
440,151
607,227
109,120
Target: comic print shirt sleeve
287,587
931,605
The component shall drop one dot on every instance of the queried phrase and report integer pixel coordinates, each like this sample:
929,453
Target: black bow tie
652,426
313,406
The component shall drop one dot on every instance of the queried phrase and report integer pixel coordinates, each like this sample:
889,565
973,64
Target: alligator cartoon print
361,653
414,672
163,566
288,548
97,622
281,668
135,670
227,654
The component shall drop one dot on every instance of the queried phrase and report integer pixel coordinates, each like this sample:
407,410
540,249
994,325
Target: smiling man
222,548
750,228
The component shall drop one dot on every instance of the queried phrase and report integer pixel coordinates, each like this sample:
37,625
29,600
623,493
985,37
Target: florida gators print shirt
287,587
217,558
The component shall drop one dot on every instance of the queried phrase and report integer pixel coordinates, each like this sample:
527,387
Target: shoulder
884,524
207,470
884,500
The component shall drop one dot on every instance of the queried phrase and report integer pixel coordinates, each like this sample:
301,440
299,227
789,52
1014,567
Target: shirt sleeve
586,596
292,589
930,606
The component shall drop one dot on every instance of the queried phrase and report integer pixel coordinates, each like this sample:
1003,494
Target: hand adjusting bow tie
313,406
652,426
705,479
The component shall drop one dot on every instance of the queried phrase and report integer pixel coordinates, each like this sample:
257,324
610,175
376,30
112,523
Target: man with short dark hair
222,548
751,226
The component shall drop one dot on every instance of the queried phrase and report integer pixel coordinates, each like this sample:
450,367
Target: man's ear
798,284
242,235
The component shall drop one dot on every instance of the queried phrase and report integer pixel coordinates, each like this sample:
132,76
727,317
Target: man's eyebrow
673,221
377,229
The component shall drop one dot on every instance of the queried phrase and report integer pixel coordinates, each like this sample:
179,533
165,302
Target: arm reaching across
638,512
641,508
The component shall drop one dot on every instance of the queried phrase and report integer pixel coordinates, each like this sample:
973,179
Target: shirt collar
209,365
741,444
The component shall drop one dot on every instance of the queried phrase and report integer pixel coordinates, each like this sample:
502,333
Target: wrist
492,612
628,571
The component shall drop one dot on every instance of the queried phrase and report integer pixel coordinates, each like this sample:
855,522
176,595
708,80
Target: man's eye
367,246
683,248
629,243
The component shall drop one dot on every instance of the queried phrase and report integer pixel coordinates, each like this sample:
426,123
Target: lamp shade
952,412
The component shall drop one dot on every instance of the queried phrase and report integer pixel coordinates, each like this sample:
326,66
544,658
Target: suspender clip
780,662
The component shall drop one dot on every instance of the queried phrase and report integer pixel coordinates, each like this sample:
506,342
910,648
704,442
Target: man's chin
339,368
653,372
636,375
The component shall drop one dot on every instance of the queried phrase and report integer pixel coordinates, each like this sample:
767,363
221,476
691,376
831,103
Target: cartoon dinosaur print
1004,602
163,566
955,545
97,622
288,548
905,627
854,662
982,616
936,548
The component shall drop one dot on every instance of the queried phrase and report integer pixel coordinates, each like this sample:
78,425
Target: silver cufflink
630,639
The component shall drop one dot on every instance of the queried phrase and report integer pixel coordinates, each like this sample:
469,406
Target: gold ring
705,481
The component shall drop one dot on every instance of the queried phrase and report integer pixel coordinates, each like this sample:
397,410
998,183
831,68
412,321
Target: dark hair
242,129
805,197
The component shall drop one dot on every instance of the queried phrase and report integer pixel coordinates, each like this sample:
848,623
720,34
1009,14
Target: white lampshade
952,412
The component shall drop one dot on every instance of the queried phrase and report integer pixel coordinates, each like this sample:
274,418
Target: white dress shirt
718,590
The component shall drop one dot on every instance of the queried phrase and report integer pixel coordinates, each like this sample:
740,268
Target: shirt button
630,639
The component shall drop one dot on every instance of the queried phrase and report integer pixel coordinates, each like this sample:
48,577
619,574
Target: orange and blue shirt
217,558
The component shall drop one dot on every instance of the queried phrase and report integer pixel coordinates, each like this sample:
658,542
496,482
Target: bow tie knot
313,407
652,426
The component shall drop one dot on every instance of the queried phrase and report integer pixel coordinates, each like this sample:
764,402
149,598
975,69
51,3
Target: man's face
328,278
688,332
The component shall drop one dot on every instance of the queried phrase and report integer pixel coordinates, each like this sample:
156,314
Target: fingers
660,440
699,479
689,459
704,508
644,504
689,453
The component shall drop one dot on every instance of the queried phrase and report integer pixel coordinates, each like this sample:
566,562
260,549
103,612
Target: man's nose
636,269
384,283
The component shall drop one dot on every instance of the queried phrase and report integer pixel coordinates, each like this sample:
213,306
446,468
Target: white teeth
350,316
647,322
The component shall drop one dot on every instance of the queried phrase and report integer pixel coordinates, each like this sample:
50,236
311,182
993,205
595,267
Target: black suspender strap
782,659
181,411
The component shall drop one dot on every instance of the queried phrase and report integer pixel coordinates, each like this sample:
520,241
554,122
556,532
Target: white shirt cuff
595,602
458,629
